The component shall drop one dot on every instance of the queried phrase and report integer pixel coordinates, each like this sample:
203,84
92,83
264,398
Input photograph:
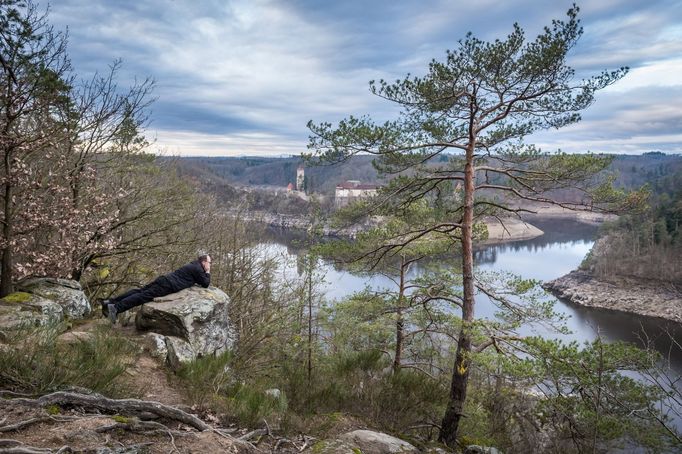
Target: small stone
476,449
274,393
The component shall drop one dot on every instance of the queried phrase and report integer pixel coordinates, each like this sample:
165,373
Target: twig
227,436
305,443
254,433
22,424
24,449
172,439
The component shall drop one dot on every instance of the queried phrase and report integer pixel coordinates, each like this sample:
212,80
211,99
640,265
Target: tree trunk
399,323
6,274
310,320
460,373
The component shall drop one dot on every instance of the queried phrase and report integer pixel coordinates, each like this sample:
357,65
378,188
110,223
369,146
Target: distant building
290,187
351,190
300,178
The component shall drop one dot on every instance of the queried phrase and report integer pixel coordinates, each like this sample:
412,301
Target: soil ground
82,429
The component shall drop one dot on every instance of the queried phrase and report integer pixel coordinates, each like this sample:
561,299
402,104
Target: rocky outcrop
370,442
65,292
42,301
365,441
23,309
476,449
640,297
185,325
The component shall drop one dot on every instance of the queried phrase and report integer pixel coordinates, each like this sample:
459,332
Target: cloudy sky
244,77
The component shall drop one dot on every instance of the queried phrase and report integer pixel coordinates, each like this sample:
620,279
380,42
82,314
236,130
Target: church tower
300,178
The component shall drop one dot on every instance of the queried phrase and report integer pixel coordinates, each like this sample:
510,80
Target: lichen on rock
21,311
17,297
192,323
65,292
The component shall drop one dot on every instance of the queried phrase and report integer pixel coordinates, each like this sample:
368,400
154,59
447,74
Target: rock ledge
188,324
645,298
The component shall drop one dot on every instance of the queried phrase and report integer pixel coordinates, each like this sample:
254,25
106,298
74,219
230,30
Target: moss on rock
17,297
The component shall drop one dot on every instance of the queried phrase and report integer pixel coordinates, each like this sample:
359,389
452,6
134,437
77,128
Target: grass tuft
35,362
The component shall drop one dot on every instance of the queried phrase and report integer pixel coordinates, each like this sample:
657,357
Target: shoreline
546,211
637,297
507,231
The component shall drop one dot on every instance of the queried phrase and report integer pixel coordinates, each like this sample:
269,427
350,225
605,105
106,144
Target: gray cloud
244,77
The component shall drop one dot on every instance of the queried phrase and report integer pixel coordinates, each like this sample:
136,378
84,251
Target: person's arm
203,275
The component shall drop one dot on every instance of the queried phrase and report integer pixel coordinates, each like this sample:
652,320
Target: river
560,250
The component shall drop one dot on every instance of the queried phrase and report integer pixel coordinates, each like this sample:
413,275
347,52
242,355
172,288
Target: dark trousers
139,296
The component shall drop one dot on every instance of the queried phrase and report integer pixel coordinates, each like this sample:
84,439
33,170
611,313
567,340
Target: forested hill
646,245
259,171
632,170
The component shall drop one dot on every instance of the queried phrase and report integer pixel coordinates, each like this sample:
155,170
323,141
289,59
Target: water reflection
559,251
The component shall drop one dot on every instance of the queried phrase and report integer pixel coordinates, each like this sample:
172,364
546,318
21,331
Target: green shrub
34,362
209,383
250,405
205,377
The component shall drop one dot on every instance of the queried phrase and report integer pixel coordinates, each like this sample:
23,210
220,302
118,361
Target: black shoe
112,312
104,304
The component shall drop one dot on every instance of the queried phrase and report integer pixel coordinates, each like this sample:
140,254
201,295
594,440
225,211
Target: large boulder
370,442
65,292
188,324
20,309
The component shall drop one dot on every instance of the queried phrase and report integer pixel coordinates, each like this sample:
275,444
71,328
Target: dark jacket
187,276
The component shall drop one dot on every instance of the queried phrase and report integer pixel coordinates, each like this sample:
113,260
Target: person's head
204,258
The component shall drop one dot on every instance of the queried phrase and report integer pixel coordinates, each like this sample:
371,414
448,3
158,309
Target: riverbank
650,299
499,231
509,229
548,211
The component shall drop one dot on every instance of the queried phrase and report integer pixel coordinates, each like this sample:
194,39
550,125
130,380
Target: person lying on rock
196,272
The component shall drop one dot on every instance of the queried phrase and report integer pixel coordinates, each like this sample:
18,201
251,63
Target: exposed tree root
122,406
8,443
8,446
29,422
136,419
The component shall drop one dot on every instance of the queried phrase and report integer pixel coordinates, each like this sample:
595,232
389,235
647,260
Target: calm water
558,251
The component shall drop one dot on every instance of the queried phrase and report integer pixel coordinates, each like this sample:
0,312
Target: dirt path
29,428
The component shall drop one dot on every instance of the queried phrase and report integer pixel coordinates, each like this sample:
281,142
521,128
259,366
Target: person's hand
207,265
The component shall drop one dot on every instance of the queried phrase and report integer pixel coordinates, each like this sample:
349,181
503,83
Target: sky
237,78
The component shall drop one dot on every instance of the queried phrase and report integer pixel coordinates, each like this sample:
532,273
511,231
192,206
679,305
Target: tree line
646,244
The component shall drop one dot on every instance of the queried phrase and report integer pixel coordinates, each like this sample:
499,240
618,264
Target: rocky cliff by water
647,298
